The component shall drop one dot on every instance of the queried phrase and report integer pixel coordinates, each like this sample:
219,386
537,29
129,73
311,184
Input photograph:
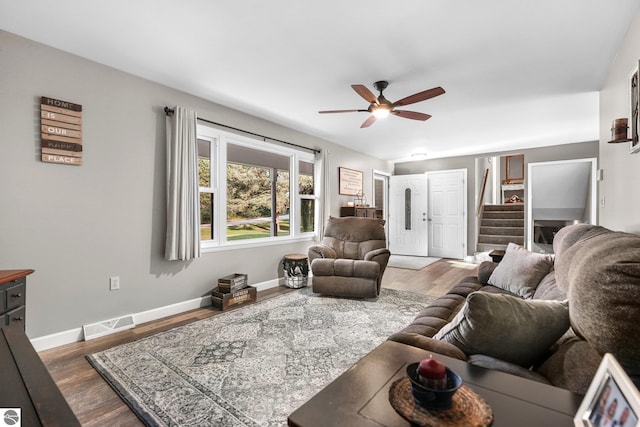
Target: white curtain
322,172
183,205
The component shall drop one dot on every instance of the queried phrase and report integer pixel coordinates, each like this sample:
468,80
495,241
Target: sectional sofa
549,318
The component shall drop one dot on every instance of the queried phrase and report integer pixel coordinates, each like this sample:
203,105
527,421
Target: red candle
432,373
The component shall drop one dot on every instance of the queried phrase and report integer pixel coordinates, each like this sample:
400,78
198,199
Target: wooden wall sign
61,131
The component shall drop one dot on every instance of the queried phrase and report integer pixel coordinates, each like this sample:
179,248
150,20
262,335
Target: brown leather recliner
351,259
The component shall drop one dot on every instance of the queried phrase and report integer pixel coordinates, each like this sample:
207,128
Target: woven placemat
468,409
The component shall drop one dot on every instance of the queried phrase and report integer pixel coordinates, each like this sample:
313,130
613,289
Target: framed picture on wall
634,120
350,181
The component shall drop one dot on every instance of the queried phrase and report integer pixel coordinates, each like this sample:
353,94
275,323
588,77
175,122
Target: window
247,190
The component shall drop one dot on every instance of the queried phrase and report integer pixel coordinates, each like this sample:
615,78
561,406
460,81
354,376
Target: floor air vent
107,327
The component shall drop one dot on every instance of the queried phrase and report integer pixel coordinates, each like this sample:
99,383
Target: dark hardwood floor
96,404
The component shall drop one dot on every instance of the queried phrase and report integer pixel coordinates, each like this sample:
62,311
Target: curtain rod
169,111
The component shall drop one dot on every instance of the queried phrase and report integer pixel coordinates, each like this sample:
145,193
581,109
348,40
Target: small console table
13,295
368,212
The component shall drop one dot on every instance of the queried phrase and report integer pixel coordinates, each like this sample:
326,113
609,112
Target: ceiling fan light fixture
381,112
380,107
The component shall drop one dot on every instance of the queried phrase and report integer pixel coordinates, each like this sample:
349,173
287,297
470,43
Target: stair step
503,231
501,240
505,207
502,223
503,215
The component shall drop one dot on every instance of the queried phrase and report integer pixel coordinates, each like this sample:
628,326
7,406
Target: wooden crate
225,300
232,283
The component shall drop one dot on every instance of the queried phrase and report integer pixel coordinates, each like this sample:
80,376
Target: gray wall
533,155
77,226
560,191
621,170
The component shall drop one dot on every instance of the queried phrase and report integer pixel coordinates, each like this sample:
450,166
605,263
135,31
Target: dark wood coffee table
360,396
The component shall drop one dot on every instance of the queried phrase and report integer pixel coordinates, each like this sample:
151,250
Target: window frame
313,196
214,187
218,175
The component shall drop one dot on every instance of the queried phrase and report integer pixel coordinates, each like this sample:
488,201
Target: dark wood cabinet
13,296
358,211
26,383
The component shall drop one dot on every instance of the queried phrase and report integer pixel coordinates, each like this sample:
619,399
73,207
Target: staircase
500,225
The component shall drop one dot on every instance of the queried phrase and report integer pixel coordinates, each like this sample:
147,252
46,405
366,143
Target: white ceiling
517,74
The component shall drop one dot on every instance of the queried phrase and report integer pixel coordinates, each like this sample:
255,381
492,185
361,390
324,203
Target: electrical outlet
602,201
114,283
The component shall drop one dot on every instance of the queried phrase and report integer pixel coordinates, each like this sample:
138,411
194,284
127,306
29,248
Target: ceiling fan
380,106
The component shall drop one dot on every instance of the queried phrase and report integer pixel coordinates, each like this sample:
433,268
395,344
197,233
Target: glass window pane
204,163
305,178
206,216
257,193
307,215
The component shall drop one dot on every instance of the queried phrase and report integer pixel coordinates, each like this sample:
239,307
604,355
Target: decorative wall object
350,182
634,96
61,126
515,169
619,131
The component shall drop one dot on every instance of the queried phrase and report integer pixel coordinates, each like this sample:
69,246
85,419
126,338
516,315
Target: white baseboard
75,335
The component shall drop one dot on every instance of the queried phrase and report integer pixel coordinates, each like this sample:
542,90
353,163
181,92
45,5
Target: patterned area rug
255,365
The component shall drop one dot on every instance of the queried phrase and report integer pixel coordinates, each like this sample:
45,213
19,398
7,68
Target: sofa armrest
381,256
369,256
321,251
429,344
485,270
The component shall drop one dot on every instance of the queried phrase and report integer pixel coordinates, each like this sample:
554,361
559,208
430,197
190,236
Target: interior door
447,214
408,215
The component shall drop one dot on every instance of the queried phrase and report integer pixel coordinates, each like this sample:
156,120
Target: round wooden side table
296,270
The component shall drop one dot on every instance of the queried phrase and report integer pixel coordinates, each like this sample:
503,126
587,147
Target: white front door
447,214
408,215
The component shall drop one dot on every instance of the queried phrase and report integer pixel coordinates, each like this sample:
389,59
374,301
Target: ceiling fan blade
420,96
411,115
368,122
341,111
365,93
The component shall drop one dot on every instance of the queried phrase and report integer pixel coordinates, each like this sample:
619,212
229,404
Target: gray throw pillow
520,271
506,327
